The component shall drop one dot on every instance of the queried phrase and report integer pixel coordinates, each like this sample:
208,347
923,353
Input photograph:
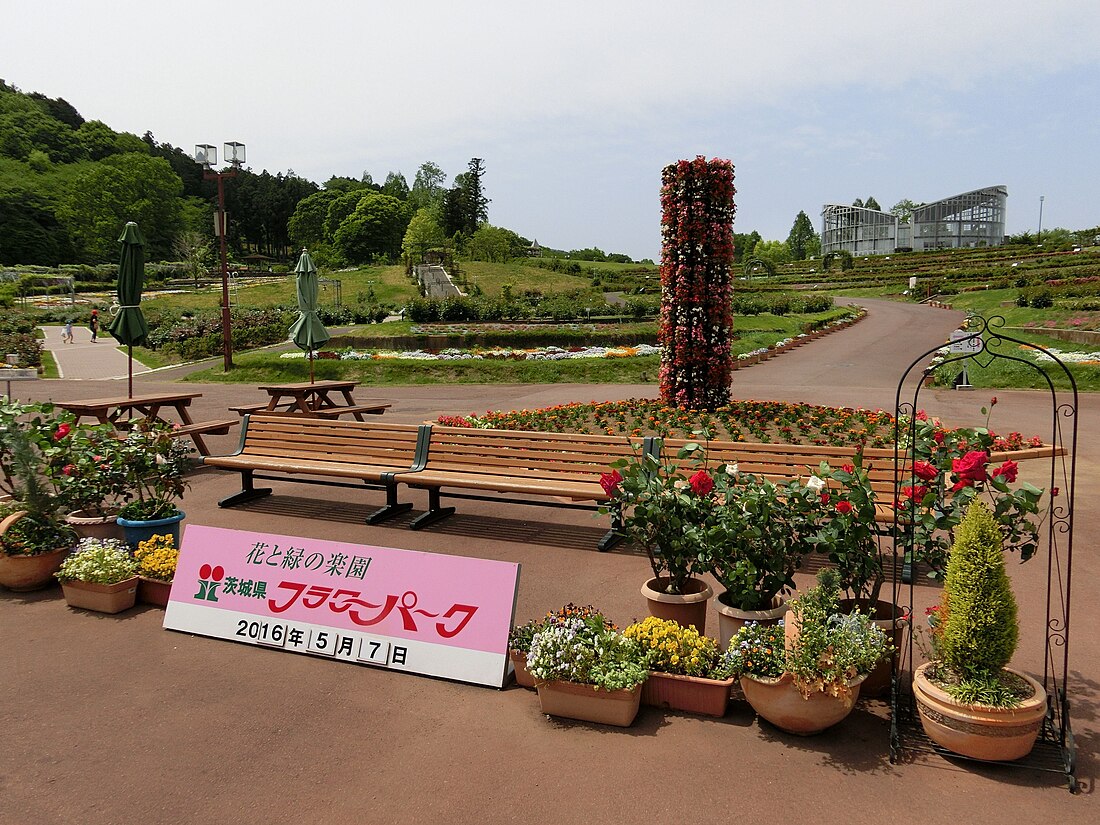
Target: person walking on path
94,324
67,335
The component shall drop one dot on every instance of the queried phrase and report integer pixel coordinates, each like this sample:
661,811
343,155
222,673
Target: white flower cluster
540,354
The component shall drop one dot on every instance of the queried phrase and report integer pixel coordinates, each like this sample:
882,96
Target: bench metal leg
612,536
393,507
435,512
248,492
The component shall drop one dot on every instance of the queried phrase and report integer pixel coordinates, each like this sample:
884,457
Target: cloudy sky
576,106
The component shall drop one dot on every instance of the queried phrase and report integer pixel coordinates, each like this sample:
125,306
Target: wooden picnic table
119,412
324,399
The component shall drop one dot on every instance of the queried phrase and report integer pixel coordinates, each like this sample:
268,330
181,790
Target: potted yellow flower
682,665
156,557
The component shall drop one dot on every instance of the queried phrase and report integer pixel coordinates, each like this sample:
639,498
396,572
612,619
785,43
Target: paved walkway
112,720
84,360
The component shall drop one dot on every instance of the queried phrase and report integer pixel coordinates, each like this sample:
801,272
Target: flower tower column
697,250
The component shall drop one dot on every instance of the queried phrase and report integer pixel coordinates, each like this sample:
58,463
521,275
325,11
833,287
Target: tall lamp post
207,156
1039,234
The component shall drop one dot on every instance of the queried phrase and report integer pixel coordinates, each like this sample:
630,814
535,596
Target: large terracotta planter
86,525
153,591
980,731
781,703
103,598
688,609
692,694
138,531
519,664
732,619
25,573
584,702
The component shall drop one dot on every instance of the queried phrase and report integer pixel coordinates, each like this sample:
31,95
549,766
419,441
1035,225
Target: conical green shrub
981,631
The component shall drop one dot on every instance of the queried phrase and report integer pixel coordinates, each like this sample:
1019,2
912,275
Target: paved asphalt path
113,720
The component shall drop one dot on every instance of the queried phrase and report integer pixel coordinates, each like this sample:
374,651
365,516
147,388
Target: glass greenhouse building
972,219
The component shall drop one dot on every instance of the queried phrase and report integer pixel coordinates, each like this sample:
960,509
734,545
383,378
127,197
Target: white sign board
966,342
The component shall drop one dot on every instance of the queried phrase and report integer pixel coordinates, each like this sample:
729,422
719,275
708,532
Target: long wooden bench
516,462
369,452
780,463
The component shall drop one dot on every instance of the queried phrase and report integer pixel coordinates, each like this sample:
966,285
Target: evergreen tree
871,203
801,237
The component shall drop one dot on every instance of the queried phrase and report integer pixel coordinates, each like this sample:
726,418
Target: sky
576,107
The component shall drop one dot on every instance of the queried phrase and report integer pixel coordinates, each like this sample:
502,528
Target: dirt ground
115,720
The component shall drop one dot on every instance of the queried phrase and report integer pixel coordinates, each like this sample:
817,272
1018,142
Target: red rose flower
970,469
701,483
825,498
937,436
848,468
1008,471
67,469
925,471
610,482
916,492
62,431
844,507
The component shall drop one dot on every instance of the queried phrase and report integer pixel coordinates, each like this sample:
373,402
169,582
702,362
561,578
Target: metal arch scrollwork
994,343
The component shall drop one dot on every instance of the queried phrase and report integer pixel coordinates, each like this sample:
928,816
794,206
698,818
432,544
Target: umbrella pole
130,370
311,366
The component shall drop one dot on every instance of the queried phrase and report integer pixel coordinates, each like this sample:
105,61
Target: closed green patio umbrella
128,326
308,332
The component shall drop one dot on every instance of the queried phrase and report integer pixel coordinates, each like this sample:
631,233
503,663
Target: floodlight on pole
207,156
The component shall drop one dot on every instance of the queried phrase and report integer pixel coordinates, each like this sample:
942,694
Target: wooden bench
780,463
299,445
245,409
356,410
516,462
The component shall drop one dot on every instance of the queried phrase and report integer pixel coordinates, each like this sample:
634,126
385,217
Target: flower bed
495,353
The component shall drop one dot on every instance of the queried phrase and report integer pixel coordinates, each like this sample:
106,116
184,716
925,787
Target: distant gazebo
534,250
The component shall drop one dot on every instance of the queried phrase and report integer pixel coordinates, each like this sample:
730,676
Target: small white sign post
965,343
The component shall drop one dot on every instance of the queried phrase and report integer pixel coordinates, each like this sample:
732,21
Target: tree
396,186
744,244
904,209
858,202
802,233
121,188
490,243
871,203
427,186
775,251
424,233
306,226
340,210
375,228
31,233
476,202
194,250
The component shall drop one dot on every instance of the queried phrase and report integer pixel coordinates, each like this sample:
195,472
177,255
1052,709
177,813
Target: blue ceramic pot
139,531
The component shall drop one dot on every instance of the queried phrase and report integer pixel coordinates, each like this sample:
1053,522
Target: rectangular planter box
692,694
519,663
153,591
105,598
584,702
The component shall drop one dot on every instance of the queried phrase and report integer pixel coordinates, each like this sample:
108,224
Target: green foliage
374,229
155,463
423,234
119,189
980,630
842,255
307,224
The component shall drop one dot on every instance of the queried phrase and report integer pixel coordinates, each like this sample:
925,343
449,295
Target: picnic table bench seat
370,452
377,408
218,427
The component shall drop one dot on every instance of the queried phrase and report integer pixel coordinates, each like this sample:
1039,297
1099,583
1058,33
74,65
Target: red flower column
697,250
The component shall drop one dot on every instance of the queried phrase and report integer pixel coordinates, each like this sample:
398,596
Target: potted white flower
100,575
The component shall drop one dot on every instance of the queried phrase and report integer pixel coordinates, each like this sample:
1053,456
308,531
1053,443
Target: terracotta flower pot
519,664
692,694
980,731
103,598
882,616
24,573
153,591
732,619
588,704
87,525
688,609
781,703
